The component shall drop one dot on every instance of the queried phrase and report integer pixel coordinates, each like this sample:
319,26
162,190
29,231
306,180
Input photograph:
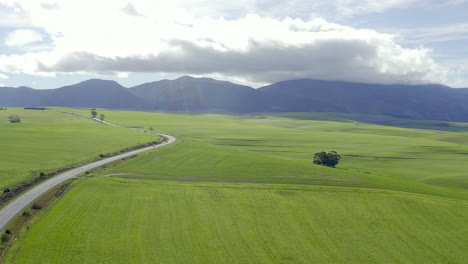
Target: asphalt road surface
17,206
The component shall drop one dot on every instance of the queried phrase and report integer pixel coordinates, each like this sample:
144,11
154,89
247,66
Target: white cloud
178,37
22,37
350,8
13,16
50,5
130,10
448,32
354,7
3,77
457,73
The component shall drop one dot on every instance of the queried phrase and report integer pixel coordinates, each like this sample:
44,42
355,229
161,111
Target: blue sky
48,44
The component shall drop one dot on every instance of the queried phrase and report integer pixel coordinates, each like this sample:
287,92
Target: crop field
281,149
47,140
380,120
112,220
243,189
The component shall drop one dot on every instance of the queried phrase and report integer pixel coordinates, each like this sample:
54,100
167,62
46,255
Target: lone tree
14,119
94,112
329,159
151,129
101,117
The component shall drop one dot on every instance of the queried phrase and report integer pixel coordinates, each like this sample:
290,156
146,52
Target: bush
329,159
36,206
14,119
5,238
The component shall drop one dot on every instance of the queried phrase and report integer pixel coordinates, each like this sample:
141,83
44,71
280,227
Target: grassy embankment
243,190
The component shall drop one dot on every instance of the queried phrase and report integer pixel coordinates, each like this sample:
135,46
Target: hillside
404,101
197,94
428,102
90,93
93,93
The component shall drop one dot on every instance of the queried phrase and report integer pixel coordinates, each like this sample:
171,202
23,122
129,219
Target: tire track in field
16,206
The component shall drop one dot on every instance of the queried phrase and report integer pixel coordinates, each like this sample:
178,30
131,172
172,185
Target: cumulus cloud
22,37
267,62
13,17
171,39
458,70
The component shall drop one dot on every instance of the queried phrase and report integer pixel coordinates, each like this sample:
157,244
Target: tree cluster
94,114
329,159
14,119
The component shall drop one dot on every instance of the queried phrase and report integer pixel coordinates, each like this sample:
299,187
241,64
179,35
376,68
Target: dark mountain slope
434,102
21,96
91,93
197,94
406,101
94,93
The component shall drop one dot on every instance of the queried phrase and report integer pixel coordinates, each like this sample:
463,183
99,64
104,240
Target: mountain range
431,102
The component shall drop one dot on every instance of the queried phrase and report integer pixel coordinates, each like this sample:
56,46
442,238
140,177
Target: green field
243,189
380,120
47,140
113,220
271,148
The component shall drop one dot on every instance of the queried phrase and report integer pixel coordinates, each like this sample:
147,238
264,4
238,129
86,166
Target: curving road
16,206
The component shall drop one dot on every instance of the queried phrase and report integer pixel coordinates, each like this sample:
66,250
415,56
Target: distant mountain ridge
90,93
197,94
432,102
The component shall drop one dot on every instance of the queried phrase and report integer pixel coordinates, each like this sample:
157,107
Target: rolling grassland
243,189
113,220
431,162
46,141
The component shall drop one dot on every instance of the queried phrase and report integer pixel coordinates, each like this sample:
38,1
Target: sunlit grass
139,221
47,140
243,189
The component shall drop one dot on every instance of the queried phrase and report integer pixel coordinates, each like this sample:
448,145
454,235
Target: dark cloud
264,62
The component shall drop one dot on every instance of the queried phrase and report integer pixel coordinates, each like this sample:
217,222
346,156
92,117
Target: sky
49,44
